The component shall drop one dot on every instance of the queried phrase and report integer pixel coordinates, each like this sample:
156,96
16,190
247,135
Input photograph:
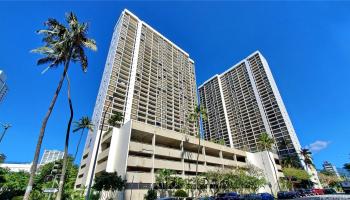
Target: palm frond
91,44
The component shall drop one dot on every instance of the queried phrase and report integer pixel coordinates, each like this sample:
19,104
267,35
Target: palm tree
2,157
113,121
347,166
82,124
266,143
164,179
196,116
62,45
291,161
306,153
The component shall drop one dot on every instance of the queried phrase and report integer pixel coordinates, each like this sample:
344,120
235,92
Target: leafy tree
151,195
347,166
266,143
329,179
181,193
197,115
62,45
14,184
82,124
108,181
294,175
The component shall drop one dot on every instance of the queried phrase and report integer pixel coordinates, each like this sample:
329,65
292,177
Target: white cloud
318,145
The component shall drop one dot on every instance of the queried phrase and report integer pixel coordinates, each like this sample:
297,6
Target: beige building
242,103
148,79
151,81
140,149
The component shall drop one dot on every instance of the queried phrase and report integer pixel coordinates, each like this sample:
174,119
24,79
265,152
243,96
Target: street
327,197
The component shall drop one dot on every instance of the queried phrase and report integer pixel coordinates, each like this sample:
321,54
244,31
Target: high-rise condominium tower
51,156
3,86
148,79
244,102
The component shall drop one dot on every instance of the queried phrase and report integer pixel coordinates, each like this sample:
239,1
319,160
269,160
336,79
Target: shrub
17,198
181,193
151,195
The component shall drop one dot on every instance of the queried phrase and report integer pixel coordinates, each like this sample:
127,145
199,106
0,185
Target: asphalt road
327,197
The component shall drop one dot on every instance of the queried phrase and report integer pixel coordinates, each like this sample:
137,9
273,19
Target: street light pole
6,126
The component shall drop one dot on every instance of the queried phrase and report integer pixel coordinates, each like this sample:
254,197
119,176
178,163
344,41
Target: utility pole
5,126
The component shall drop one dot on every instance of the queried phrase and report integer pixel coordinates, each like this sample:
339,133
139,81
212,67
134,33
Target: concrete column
221,158
182,158
153,157
235,159
205,157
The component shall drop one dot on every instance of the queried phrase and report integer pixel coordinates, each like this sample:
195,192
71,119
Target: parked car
287,195
227,196
310,192
301,192
205,198
329,191
345,186
266,196
250,197
318,191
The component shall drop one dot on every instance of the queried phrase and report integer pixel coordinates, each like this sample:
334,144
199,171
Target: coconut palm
266,143
62,45
197,115
290,161
2,157
82,124
306,153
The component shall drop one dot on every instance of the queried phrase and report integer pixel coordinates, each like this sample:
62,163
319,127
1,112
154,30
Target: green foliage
2,157
180,193
306,153
83,123
329,180
291,161
265,142
12,183
109,181
295,173
347,166
164,178
151,195
17,198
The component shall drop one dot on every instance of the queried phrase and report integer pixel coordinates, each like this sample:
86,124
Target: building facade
17,167
244,102
51,156
328,167
148,79
151,81
3,86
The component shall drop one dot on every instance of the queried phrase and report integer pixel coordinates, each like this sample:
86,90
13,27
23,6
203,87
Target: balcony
136,161
140,147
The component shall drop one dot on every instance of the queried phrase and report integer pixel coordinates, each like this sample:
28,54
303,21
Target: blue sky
305,43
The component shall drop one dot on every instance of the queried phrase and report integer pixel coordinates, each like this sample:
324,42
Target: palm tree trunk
76,151
42,133
274,168
65,156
